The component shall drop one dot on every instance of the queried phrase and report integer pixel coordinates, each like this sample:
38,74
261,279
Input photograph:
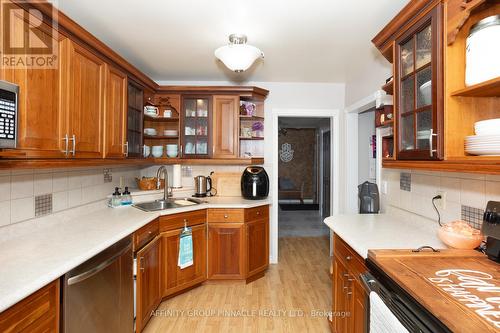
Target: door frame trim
334,116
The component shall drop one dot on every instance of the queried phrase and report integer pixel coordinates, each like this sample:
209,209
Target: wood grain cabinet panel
37,313
148,282
173,278
226,251
115,123
84,82
225,126
41,122
257,241
349,296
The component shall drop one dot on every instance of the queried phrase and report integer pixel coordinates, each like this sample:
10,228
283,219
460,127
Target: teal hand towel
185,249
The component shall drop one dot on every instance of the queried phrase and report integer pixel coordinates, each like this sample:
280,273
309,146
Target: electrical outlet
384,187
441,203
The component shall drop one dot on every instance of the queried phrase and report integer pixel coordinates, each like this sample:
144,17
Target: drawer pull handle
258,213
349,293
348,258
150,232
225,216
141,263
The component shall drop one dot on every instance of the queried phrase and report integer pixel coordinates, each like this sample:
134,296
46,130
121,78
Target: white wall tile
4,213
452,188
492,190
21,186
472,193
74,197
22,209
5,188
60,181
59,201
75,179
42,183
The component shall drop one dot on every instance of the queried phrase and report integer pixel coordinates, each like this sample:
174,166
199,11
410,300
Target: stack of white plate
487,138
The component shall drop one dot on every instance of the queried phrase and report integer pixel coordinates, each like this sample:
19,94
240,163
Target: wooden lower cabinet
147,283
238,243
349,297
257,242
37,313
173,278
226,251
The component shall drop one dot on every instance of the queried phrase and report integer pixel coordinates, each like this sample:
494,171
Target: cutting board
227,184
445,283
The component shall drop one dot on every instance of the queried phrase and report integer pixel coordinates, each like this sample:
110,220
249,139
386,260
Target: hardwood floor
285,300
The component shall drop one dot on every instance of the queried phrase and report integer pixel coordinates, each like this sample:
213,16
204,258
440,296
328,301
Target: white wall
368,77
366,129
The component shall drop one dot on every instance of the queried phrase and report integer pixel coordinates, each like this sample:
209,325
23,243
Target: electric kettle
203,187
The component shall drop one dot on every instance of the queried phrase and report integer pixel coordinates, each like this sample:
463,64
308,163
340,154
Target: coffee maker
491,229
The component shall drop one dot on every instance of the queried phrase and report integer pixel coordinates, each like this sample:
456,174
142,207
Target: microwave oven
9,93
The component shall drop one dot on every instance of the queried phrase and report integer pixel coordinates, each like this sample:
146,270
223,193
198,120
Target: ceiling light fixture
238,56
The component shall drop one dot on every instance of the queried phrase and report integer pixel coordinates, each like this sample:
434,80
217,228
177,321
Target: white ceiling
174,40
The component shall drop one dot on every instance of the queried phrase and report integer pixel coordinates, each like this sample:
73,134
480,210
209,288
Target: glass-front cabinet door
419,89
196,130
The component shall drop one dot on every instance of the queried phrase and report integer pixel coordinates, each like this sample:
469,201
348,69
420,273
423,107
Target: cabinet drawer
145,234
226,215
257,213
176,221
353,262
39,312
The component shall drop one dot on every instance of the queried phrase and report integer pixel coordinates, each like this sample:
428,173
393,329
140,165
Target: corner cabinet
225,126
419,89
115,121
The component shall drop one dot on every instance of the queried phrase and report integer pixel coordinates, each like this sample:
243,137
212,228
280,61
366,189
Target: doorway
303,176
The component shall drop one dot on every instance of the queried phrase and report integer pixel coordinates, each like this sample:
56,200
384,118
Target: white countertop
35,253
365,232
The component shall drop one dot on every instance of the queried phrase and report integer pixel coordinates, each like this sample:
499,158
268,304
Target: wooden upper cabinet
37,313
419,89
225,126
115,120
41,121
173,278
148,282
83,75
135,117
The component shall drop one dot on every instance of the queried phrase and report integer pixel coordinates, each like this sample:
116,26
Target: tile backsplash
466,194
25,194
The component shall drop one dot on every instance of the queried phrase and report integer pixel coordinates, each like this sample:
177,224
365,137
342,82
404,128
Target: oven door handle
369,282
96,269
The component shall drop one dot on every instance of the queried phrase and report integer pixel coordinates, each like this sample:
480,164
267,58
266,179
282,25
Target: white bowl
157,151
426,91
150,131
170,133
172,153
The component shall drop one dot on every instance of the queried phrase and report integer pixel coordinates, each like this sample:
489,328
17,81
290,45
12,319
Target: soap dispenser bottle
126,197
116,198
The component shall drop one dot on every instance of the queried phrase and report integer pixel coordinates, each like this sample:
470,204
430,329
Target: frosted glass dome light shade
238,56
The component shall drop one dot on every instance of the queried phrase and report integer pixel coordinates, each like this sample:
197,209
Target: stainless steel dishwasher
98,295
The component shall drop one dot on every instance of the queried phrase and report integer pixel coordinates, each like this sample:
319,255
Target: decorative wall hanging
286,152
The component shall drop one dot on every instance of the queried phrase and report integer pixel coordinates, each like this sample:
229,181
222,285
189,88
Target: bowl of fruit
460,235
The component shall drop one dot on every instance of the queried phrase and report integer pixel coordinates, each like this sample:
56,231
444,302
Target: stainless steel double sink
171,203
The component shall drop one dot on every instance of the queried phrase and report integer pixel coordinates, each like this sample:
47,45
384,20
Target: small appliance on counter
203,187
369,201
491,229
254,183
8,114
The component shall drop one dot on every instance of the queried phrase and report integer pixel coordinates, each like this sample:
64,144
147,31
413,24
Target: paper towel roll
177,176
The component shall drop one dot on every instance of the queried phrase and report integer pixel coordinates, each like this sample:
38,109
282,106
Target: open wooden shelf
468,164
159,137
208,161
490,88
252,138
160,119
389,87
256,118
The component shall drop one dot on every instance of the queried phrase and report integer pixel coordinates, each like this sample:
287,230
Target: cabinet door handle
141,259
431,143
258,213
126,149
66,144
180,155
225,216
73,150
